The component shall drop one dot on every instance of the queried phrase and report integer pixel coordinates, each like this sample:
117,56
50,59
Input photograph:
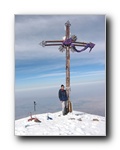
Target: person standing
64,99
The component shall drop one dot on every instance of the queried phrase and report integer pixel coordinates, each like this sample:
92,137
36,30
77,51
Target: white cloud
30,30
34,60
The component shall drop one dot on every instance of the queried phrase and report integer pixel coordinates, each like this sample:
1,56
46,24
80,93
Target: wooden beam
67,24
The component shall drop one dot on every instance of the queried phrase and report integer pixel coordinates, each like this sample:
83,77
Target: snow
73,124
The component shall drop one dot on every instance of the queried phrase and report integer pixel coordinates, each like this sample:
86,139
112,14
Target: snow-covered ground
72,124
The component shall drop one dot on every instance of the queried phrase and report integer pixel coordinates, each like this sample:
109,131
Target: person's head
62,87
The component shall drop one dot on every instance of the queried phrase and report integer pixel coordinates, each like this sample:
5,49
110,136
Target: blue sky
39,71
37,67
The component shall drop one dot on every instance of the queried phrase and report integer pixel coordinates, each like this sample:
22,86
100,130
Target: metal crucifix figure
67,44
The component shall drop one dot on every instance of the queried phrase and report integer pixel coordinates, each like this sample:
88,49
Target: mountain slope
73,124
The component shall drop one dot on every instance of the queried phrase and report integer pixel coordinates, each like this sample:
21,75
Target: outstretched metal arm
51,43
85,45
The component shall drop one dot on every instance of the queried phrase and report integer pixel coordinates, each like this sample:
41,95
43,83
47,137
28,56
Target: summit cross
69,43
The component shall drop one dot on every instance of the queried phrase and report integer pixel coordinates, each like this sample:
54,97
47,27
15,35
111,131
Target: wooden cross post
67,24
67,44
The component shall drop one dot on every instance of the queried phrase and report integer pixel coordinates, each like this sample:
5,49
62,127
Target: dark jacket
62,95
